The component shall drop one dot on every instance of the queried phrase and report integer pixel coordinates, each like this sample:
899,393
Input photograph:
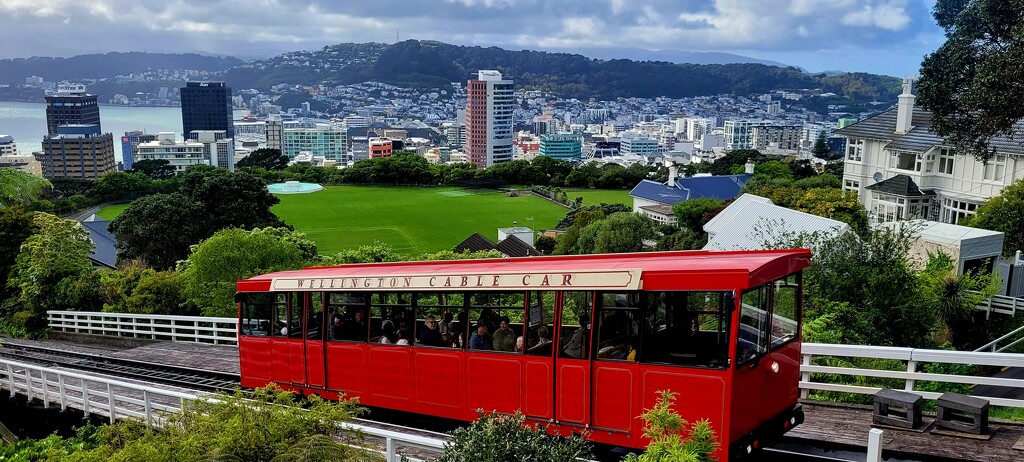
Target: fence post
46,390
63,393
110,402
28,384
988,311
805,376
911,368
85,396
874,445
10,378
390,457
148,407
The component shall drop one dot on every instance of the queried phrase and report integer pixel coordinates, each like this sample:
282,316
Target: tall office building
325,140
71,105
207,106
130,147
489,119
77,151
180,155
275,132
568,147
7,146
218,149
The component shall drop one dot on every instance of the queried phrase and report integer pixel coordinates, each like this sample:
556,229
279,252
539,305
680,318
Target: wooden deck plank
849,425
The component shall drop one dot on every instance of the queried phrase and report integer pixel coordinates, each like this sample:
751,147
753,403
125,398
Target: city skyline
879,36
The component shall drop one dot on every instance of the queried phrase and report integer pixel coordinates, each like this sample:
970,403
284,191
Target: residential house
655,200
901,170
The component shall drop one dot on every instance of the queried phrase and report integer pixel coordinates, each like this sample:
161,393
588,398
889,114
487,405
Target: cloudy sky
881,36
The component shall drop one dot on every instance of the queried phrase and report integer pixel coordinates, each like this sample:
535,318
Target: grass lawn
111,211
411,220
599,196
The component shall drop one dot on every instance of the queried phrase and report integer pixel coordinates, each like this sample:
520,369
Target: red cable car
579,343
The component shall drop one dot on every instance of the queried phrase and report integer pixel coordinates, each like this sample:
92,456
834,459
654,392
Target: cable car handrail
912,357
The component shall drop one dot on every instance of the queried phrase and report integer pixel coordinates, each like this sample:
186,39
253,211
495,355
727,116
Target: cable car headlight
775,367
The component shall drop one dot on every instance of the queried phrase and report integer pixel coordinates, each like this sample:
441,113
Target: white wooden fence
222,331
912,358
1001,304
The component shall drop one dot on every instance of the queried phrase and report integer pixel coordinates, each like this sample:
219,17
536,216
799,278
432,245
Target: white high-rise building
181,155
329,141
739,133
218,149
7,146
489,105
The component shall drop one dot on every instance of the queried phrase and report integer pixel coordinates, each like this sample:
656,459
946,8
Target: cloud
267,27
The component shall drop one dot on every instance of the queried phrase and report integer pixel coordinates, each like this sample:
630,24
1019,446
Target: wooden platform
849,425
202,356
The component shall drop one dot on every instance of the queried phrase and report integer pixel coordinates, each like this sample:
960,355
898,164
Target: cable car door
315,333
286,343
572,365
751,398
538,351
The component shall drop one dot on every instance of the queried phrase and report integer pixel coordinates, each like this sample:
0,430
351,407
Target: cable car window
751,341
256,314
314,315
575,329
537,341
280,328
348,316
686,328
497,320
294,316
619,326
786,310
435,317
391,318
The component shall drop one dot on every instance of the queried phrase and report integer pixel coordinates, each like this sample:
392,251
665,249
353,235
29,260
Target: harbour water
26,122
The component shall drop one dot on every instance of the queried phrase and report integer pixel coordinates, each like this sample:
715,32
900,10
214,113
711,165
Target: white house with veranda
900,170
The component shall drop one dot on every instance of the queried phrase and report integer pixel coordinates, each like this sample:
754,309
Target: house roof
719,187
899,185
935,231
920,137
105,252
751,221
515,247
660,209
474,243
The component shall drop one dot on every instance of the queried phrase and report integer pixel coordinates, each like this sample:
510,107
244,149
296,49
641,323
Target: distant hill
672,56
97,66
431,64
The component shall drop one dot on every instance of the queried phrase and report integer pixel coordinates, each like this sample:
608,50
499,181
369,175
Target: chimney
905,107
748,168
673,172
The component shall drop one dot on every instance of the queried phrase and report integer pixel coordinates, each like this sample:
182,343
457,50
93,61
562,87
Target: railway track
188,378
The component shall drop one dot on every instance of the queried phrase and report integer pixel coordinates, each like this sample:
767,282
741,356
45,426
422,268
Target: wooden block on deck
974,436
908,409
962,413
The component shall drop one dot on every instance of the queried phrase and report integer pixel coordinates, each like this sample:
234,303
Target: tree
820,149
18,187
375,253
545,244
134,289
157,169
695,213
53,270
620,232
500,438
567,242
159,229
265,158
123,185
209,274
16,225
1003,213
969,82
664,427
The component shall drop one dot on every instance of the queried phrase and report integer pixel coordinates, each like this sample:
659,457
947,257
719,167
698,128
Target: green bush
665,428
500,438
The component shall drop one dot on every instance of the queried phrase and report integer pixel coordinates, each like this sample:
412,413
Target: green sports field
598,196
411,220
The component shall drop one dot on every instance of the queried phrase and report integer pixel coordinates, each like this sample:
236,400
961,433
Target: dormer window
995,168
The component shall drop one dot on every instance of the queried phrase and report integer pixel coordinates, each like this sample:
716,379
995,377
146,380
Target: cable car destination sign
624,279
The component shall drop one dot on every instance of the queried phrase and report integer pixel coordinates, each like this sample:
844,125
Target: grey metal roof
753,221
900,185
920,137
